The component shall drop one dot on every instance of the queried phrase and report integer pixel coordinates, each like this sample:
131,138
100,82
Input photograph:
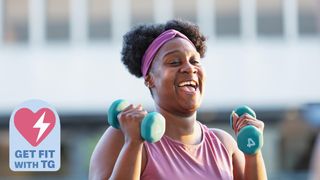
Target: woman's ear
148,81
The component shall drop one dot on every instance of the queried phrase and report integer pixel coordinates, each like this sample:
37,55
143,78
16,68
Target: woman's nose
188,68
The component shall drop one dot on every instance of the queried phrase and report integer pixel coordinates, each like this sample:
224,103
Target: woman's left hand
244,120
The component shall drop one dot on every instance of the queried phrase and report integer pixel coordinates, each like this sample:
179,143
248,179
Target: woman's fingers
130,119
234,119
244,120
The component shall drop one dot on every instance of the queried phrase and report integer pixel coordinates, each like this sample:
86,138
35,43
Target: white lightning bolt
41,125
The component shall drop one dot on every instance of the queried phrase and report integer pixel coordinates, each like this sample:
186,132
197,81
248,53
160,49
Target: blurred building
263,53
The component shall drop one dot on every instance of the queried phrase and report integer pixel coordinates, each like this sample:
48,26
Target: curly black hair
136,41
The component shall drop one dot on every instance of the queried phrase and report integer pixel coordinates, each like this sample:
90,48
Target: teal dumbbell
249,139
152,126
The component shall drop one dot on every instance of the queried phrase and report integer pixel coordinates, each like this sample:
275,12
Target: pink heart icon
34,127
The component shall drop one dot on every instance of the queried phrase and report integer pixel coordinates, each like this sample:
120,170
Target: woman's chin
190,109
193,103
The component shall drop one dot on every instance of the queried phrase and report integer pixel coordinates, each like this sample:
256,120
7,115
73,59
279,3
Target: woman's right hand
130,119
126,153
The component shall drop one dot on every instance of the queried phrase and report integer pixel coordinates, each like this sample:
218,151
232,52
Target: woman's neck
182,129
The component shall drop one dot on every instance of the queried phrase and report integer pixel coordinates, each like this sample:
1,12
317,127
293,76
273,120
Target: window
308,17
57,24
99,19
269,18
142,11
227,18
15,21
186,10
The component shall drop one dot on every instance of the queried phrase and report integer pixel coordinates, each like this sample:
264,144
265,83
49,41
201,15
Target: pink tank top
170,159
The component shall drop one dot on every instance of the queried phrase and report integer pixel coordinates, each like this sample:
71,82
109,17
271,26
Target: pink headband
155,46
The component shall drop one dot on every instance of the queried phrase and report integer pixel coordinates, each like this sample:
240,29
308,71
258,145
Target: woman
168,57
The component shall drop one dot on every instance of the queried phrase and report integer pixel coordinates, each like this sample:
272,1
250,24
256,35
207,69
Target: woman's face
177,77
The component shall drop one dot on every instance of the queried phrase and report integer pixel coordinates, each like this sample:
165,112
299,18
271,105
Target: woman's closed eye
194,61
174,62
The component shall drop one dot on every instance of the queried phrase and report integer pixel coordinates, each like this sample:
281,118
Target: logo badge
34,137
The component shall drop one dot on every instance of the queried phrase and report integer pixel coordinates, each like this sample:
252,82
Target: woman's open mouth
189,86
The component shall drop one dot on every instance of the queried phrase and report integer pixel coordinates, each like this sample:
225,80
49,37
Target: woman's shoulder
226,139
111,136
238,160
106,153
103,157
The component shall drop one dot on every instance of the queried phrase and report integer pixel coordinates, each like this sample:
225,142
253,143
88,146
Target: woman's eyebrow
171,52
176,51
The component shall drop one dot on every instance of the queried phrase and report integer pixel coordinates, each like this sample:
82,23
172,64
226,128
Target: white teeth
188,83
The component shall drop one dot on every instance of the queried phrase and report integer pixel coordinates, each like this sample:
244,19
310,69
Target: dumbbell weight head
249,138
153,127
242,110
115,108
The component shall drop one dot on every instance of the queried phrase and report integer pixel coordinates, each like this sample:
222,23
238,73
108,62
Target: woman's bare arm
119,154
105,154
244,166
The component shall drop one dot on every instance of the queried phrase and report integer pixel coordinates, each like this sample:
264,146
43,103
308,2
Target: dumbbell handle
249,138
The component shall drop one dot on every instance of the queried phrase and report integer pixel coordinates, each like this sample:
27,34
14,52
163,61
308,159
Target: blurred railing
206,12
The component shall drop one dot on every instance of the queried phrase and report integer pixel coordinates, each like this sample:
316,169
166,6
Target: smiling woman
177,75
168,57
